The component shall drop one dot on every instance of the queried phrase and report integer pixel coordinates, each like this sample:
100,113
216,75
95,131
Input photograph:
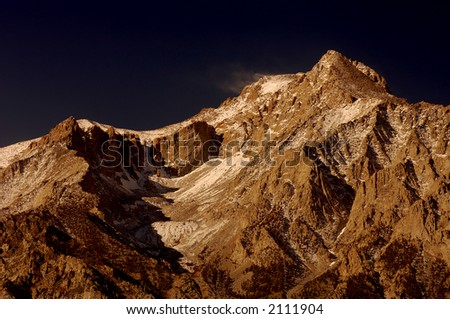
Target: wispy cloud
233,78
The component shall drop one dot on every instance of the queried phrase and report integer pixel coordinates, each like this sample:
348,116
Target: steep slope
328,148
72,228
317,184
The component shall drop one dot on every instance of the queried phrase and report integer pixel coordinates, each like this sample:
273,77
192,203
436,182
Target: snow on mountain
322,185
272,84
8,153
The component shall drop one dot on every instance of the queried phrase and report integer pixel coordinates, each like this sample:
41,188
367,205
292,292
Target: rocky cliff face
319,184
186,149
74,227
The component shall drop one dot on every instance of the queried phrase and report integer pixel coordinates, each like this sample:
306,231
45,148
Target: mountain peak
351,75
332,57
67,131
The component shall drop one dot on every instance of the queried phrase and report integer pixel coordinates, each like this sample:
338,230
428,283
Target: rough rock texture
319,184
72,228
186,149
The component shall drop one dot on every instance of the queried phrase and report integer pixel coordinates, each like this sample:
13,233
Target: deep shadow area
126,216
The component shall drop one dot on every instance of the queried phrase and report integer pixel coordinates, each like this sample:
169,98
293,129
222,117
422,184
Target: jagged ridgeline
309,185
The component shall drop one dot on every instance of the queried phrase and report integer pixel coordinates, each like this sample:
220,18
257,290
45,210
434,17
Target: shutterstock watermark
194,152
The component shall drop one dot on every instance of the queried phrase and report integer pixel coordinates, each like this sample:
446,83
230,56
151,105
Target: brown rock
322,185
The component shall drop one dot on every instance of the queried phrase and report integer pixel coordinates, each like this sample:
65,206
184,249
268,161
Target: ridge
309,185
351,75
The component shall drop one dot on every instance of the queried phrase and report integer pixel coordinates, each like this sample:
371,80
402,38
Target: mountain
309,185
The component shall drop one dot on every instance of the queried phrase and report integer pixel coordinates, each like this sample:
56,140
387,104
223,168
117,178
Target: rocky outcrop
188,148
74,228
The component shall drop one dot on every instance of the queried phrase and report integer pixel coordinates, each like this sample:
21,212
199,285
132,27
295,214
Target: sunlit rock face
310,185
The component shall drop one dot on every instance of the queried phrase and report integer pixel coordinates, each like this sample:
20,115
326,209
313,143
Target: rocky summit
310,185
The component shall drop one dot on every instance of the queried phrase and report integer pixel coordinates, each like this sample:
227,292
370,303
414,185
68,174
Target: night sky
143,65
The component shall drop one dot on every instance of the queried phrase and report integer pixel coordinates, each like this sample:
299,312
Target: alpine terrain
309,185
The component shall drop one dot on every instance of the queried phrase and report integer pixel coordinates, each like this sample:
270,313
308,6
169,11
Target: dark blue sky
143,65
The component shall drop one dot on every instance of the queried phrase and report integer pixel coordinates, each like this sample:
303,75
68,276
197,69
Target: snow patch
349,113
85,125
171,232
342,232
202,180
8,153
229,111
145,136
274,84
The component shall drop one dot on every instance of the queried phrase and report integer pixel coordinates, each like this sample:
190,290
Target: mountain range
309,185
